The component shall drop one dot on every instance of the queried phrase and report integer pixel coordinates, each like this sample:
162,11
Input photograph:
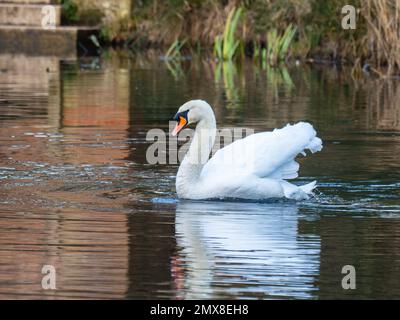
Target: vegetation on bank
272,31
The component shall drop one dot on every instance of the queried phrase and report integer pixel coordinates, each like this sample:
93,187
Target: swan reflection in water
252,250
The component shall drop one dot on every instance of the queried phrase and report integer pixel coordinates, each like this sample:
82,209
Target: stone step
61,42
25,14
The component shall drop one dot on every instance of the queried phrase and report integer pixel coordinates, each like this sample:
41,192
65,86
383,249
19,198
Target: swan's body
255,167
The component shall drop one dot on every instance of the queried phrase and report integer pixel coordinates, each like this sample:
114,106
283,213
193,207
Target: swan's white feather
265,154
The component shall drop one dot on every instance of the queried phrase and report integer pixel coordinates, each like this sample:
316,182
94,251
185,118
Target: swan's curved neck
197,156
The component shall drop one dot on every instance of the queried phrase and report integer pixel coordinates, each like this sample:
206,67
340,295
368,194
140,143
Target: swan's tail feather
292,191
309,187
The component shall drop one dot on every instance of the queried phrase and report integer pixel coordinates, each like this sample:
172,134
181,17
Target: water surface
77,193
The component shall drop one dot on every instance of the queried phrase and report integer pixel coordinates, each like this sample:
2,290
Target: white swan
255,167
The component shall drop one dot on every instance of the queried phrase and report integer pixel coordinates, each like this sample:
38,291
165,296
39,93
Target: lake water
77,193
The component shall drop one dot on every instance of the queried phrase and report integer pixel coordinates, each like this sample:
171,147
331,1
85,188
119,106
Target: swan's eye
181,114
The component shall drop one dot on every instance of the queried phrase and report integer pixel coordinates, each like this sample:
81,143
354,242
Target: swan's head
192,111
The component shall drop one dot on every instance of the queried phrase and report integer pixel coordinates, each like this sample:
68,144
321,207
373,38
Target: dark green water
77,193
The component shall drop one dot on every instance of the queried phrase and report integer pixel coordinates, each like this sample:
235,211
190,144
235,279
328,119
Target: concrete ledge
36,41
25,14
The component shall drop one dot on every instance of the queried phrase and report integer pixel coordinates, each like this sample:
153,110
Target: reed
383,34
218,47
278,45
174,51
226,45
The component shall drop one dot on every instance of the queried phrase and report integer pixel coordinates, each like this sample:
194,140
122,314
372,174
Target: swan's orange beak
182,122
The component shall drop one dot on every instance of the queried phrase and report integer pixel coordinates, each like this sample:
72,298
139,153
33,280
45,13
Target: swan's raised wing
265,154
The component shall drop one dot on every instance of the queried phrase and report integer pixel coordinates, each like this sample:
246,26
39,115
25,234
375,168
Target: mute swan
254,168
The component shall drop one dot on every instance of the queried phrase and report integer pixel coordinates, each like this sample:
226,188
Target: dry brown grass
376,40
195,24
382,40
